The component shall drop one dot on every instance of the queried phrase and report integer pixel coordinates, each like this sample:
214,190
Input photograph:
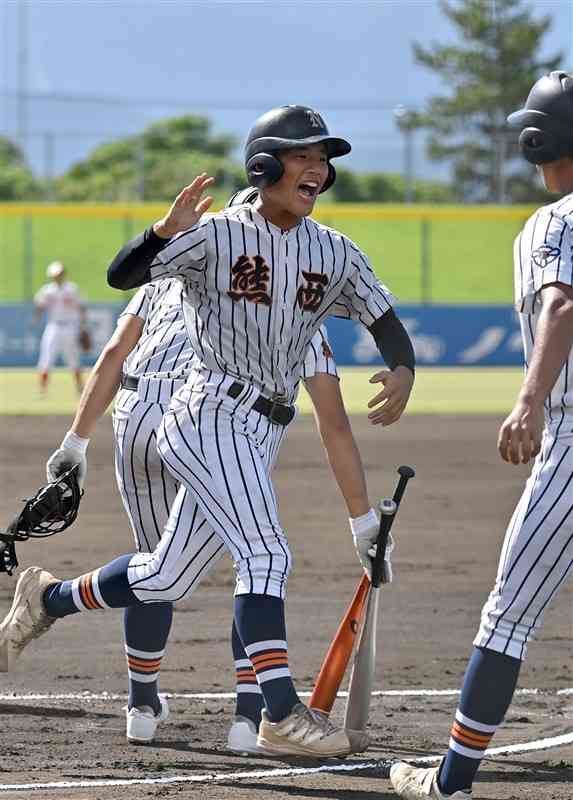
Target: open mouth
308,189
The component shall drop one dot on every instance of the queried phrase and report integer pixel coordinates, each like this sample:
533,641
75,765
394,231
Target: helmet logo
545,254
315,119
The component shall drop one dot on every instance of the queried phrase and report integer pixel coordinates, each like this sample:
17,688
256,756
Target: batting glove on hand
72,451
365,533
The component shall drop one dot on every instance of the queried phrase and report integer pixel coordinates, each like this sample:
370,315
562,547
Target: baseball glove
85,340
52,509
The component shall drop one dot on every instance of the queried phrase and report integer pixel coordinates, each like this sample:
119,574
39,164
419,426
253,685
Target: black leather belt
129,382
278,413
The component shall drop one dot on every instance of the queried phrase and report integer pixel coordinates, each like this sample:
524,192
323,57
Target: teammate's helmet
243,196
284,128
546,120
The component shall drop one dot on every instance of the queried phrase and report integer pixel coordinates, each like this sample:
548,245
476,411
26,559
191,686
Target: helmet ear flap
542,146
263,169
330,178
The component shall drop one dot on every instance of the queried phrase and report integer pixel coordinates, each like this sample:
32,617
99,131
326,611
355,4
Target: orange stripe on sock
270,654
245,673
144,664
469,737
86,592
272,662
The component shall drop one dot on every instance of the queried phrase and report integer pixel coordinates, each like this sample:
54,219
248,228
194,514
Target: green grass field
470,260
437,391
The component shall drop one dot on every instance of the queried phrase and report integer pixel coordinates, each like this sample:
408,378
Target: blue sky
140,60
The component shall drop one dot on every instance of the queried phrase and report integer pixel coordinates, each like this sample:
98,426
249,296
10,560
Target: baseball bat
338,654
363,668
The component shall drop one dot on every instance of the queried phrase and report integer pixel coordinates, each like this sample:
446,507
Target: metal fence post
425,262
27,258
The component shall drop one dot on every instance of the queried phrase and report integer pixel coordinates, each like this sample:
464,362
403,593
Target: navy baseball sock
487,691
146,628
107,587
250,701
260,623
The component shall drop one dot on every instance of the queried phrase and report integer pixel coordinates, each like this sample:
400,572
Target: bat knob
406,472
387,507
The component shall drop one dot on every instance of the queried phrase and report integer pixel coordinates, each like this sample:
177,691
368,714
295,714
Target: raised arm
131,266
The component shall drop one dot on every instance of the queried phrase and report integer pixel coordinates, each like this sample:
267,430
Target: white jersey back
256,295
61,303
543,254
163,356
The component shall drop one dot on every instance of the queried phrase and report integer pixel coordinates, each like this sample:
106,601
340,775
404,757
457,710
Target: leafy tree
382,187
153,165
490,75
16,180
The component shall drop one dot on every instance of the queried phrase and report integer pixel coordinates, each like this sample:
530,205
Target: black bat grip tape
386,521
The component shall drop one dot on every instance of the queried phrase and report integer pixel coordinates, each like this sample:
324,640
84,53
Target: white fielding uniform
161,362
254,297
63,305
537,554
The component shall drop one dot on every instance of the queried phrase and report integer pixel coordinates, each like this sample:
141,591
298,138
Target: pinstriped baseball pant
537,555
222,453
148,490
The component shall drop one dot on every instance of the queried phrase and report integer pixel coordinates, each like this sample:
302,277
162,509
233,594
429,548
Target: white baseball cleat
27,618
142,722
307,732
242,737
418,783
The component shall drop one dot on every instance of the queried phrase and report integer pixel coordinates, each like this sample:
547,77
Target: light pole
406,119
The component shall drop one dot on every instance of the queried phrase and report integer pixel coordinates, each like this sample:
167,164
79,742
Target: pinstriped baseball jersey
161,360
256,295
543,254
537,555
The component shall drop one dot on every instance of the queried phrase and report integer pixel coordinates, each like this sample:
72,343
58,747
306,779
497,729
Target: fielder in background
258,283
537,555
65,313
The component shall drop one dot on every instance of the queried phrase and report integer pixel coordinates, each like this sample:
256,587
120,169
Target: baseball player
258,283
537,554
65,311
147,359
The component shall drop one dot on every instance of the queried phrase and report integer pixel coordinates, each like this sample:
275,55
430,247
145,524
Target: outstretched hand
393,397
186,209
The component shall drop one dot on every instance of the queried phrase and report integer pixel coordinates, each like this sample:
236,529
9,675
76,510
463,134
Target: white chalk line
540,744
108,696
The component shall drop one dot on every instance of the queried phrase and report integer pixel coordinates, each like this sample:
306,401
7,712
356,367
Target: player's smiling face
292,197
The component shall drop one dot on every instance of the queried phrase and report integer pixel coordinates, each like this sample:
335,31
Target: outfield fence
426,254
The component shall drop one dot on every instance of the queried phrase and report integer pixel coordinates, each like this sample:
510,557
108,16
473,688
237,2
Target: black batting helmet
546,120
281,129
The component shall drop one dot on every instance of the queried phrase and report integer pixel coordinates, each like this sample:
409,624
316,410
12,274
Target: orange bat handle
336,659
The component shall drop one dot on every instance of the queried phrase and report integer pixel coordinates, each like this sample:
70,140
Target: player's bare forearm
520,435
104,379
553,342
338,440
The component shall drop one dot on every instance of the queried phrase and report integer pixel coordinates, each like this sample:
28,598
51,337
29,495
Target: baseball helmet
284,128
248,195
546,120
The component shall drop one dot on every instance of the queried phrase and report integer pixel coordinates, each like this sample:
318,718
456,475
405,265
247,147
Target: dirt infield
449,531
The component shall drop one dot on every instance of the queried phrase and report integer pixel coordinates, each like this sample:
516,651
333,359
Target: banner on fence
442,335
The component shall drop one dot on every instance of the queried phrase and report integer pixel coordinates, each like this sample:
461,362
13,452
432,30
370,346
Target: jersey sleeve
319,357
543,255
184,256
364,298
138,306
40,297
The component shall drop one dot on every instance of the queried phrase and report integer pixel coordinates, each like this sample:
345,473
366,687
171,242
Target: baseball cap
54,269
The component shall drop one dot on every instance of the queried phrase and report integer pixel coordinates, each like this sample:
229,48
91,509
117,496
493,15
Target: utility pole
22,77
